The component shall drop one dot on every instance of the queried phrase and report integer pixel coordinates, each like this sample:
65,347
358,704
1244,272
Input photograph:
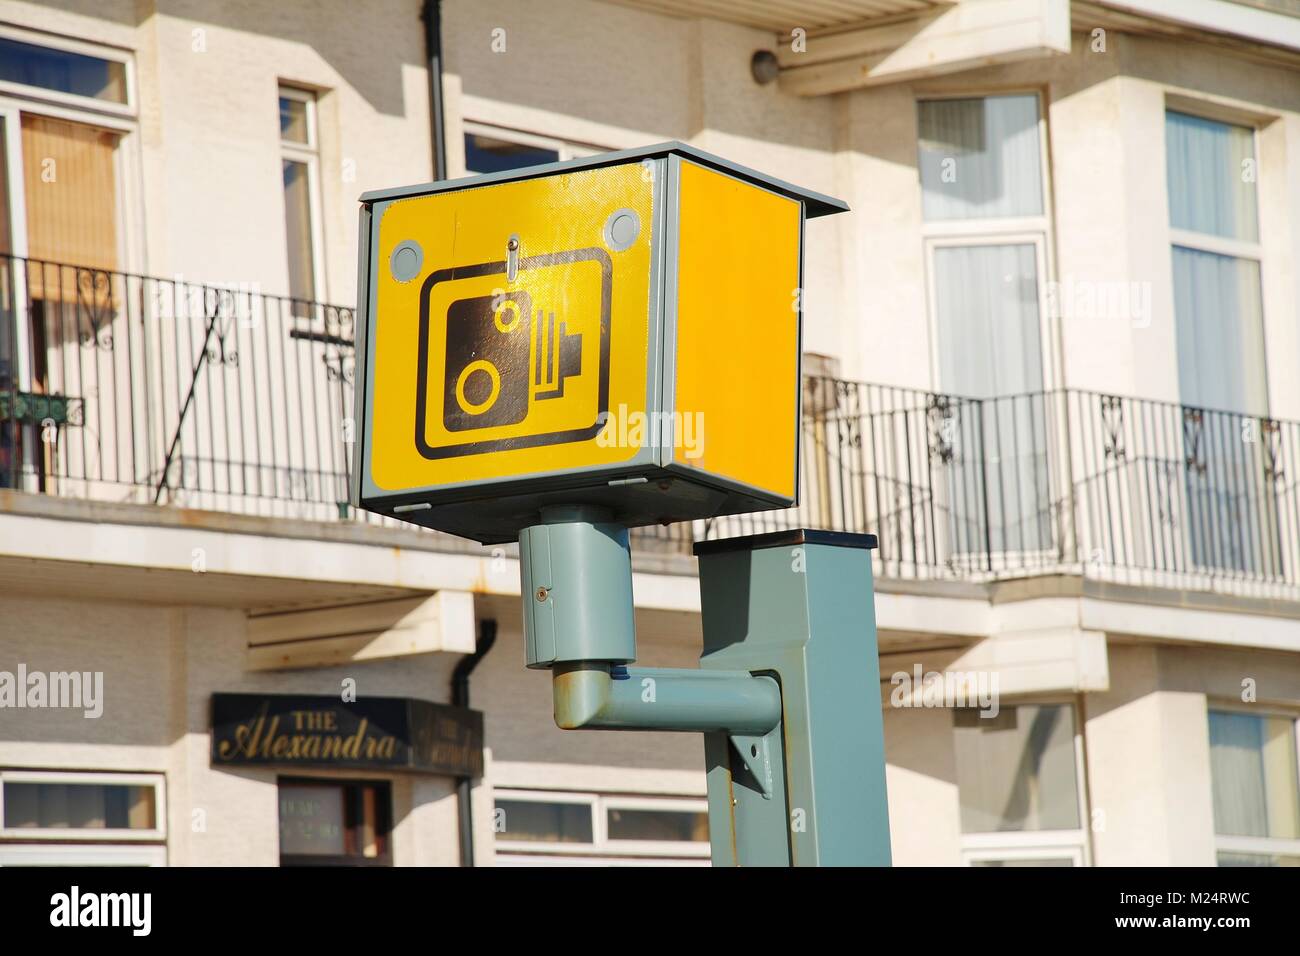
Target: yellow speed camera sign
620,330
527,326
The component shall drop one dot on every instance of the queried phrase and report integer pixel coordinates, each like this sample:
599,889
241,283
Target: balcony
149,390
1074,482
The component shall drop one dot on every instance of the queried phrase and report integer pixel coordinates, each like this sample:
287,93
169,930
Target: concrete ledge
648,558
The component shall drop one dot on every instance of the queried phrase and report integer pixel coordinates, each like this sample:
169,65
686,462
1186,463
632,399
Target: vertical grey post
797,606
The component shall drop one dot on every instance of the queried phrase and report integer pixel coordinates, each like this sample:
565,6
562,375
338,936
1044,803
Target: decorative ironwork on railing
177,392
131,388
1072,481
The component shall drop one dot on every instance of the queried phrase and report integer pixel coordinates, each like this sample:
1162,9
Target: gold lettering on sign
310,740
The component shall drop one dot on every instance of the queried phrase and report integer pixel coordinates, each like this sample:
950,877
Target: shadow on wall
663,77
653,75
369,53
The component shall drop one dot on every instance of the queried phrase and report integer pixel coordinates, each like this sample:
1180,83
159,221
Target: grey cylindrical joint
576,576
595,696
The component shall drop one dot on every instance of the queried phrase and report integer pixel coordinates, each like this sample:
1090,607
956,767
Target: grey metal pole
798,606
787,696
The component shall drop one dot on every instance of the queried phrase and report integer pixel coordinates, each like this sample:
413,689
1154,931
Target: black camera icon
501,357
487,365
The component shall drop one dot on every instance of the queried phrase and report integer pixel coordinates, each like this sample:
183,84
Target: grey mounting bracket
576,577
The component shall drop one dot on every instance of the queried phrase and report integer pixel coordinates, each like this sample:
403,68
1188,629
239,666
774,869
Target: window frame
1254,846
1010,230
65,835
64,44
1217,562
81,854
308,154
1038,844
602,848
385,859
564,149
1047,845
1226,247
1005,557
1017,237
17,99
1204,241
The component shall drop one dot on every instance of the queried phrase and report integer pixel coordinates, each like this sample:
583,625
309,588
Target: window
1253,768
980,157
1218,311
1019,782
67,190
575,829
299,167
72,818
1216,255
327,822
489,149
982,189
68,71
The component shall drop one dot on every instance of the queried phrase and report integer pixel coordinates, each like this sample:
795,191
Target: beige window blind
71,195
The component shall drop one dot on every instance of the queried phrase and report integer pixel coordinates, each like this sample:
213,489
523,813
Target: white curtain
979,158
986,300
1253,768
1216,297
1210,174
987,305
1016,771
1220,331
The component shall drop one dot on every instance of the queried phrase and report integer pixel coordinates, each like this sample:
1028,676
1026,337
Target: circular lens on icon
477,387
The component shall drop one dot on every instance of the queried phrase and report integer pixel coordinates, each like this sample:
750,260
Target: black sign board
373,733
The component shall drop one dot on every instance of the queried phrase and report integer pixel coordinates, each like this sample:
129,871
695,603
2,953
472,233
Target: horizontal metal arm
594,695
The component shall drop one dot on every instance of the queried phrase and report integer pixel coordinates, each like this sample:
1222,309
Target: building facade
1050,359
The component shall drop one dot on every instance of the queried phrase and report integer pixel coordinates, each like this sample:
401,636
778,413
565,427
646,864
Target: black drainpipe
432,17
487,635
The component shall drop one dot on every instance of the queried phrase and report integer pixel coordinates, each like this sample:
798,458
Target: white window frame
87,835
70,45
961,239
309,155
996,232
71,854
1252,250
602,849
564,149
11,168
1257,846
1044,845
1206,242
689,848
1075,844
17,98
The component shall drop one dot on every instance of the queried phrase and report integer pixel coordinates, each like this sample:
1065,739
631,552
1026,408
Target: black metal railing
1068,480
136,388
152,390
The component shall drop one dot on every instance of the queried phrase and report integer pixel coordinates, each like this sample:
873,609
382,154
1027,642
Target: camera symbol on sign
499,370
501,354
